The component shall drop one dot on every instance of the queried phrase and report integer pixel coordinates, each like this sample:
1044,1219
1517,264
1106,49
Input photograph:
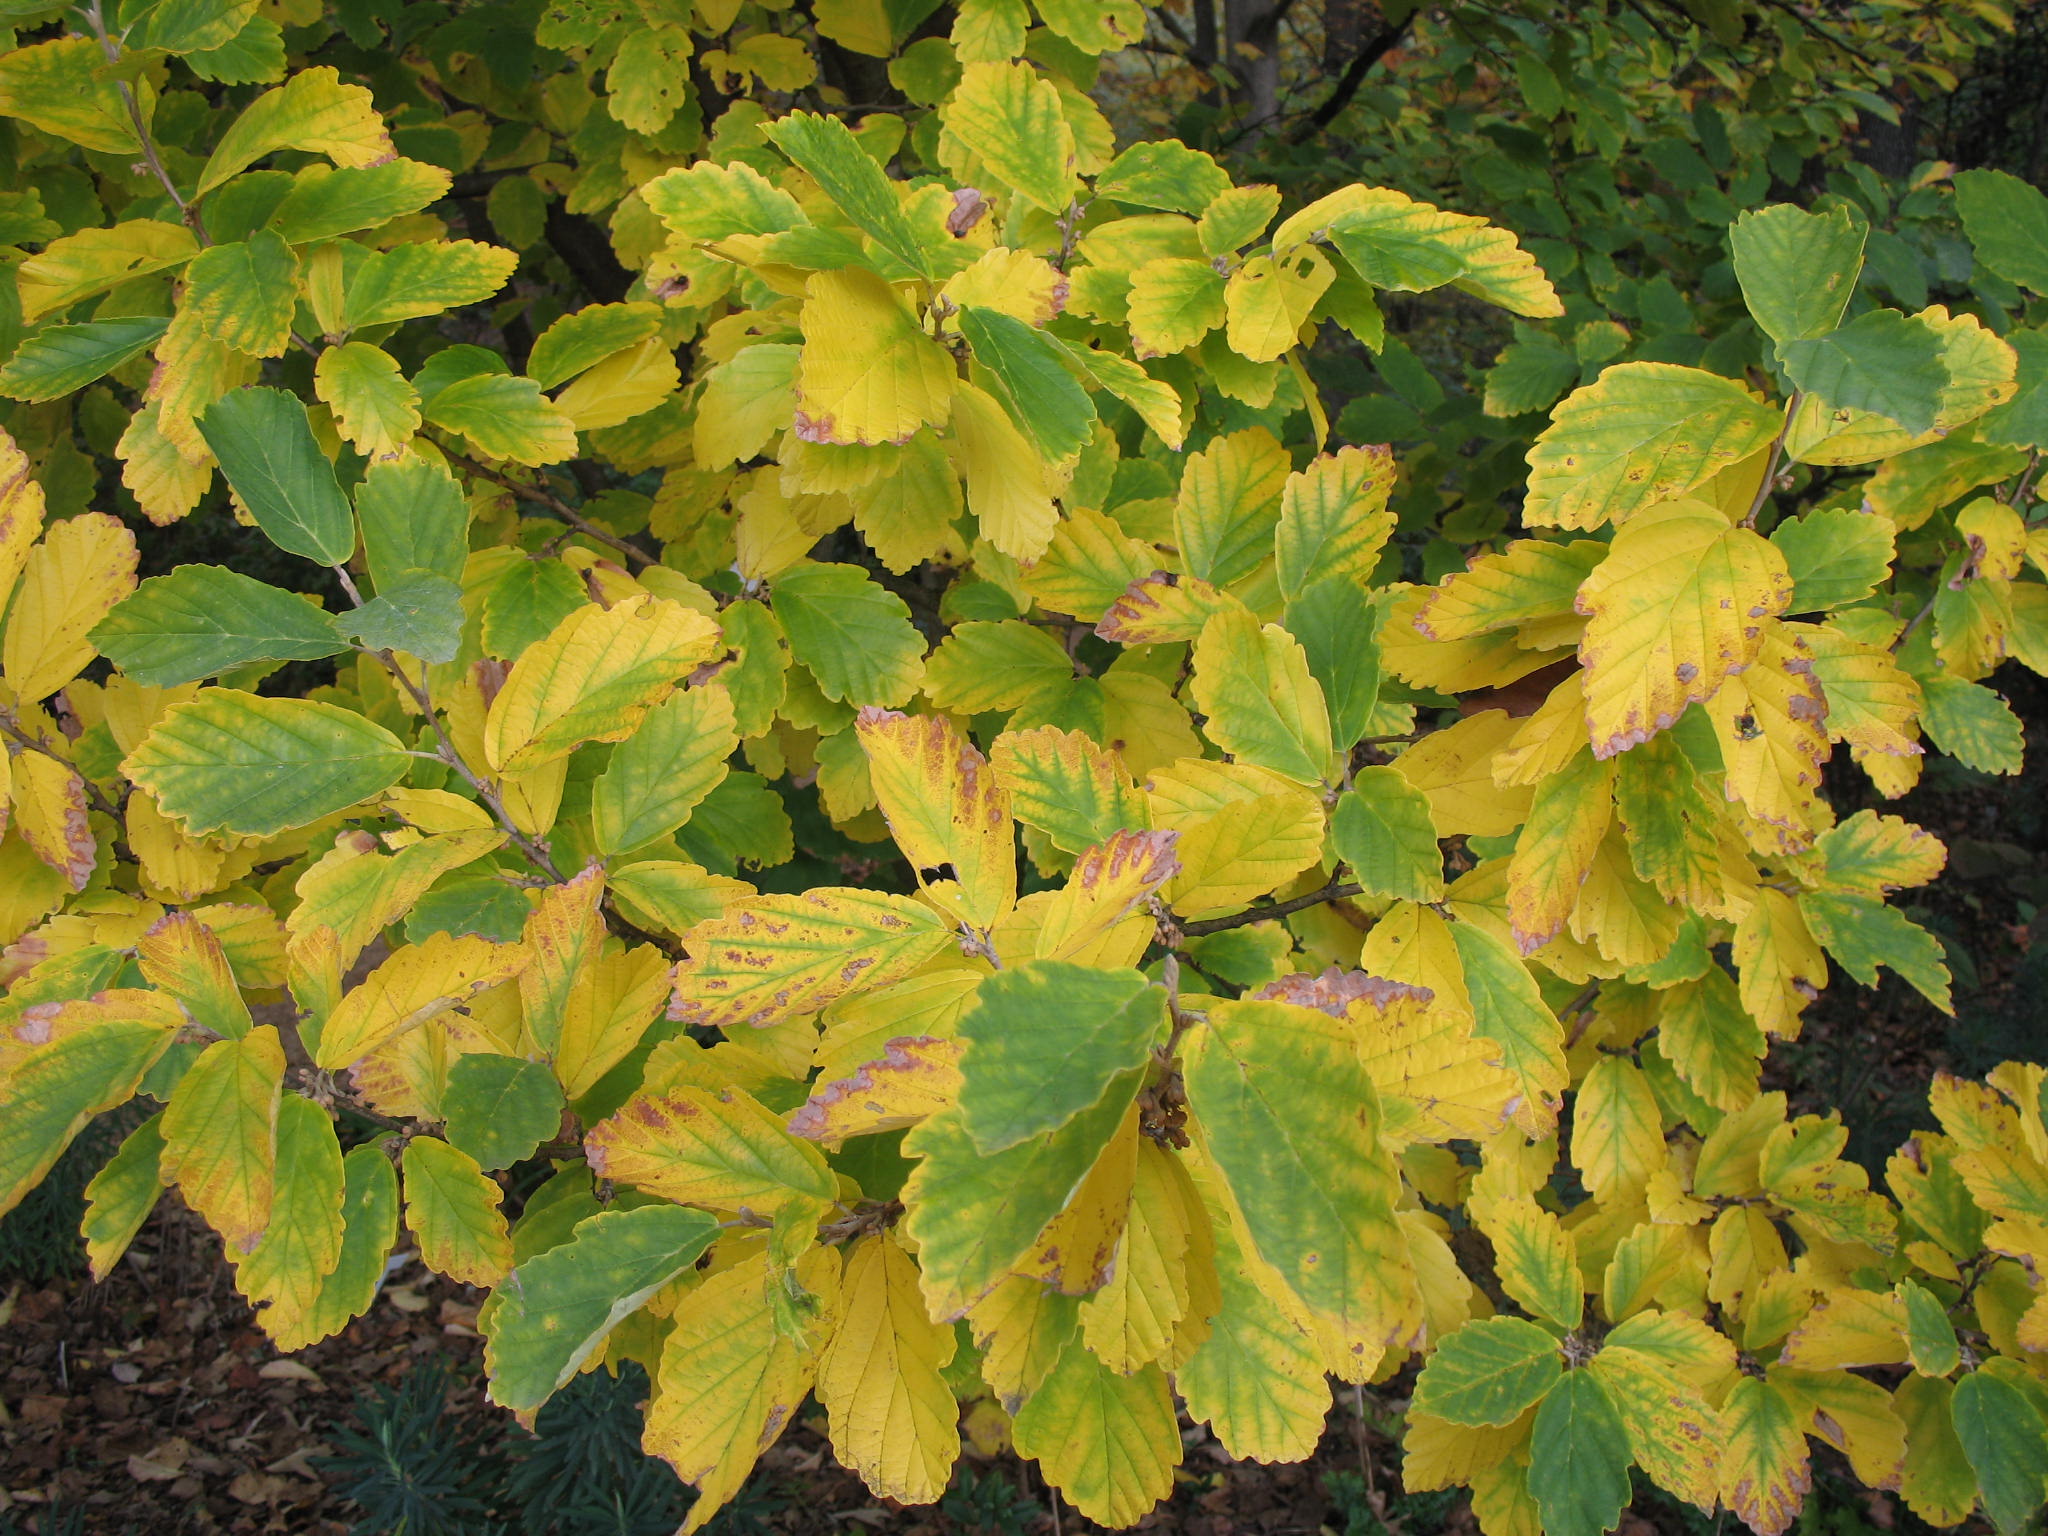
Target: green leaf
455,1212
1174,302
1343,653
1508,1009
202,620
229,761
326,201
1163,174
266,449
1488,1372
1002,664
1043,398
1529,375
2022,422
2007,1443
187,26
854,635
974,1216
1009,115
1290,1117
1861,932
1930,1335
1971,724
415,518
121,1196
499,1108
1108,1443
504,418
1882,361
1797,269
525,602
1061,782
245,293
742,821
1579,1457
1638,434
61,359
659,774
587,337
369,1217
1382,829
418,614
1044,1040
2007,221
558,1306
827,151
1837,556
708,201
412,280
1263,705
47,1097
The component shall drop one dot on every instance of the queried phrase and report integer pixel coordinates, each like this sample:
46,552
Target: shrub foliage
1290,970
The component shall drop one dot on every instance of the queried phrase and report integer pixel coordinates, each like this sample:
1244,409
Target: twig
1349,82
1335,891
560,508
1763,489
93,792
189,212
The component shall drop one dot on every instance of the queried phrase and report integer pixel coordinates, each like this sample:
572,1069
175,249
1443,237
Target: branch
1348,84
1763,489
637,558
1336,890
189,212
93,792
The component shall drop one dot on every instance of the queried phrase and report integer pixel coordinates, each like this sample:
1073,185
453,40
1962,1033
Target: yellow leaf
945,808
1764,1472
1269,298
1454,767
1617,1130
770,958
82,567
374,407
1252,844
182,957
358,891
49,813
697,1145
1855,1417
1018,283
624,385
1677,606
730,1381
1007,490
1130,1321
1109,884
881,1378
1568,817
593,679
620,995
1779,966
912,1077
1770,723
1675,1434
21,514
867,374
453,1210
1076,1250
220,1135
1021,1327
1334,519
418,983
1437,1081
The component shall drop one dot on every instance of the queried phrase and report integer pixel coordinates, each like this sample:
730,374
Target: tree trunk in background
1251,47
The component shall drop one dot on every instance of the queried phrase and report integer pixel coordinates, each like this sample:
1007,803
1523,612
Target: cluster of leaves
1290,971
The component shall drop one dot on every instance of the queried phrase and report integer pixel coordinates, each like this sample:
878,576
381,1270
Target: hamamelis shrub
1289,972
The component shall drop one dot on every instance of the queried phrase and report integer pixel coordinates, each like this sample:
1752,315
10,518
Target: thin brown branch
1336,890
638,559
1763,490
93,792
